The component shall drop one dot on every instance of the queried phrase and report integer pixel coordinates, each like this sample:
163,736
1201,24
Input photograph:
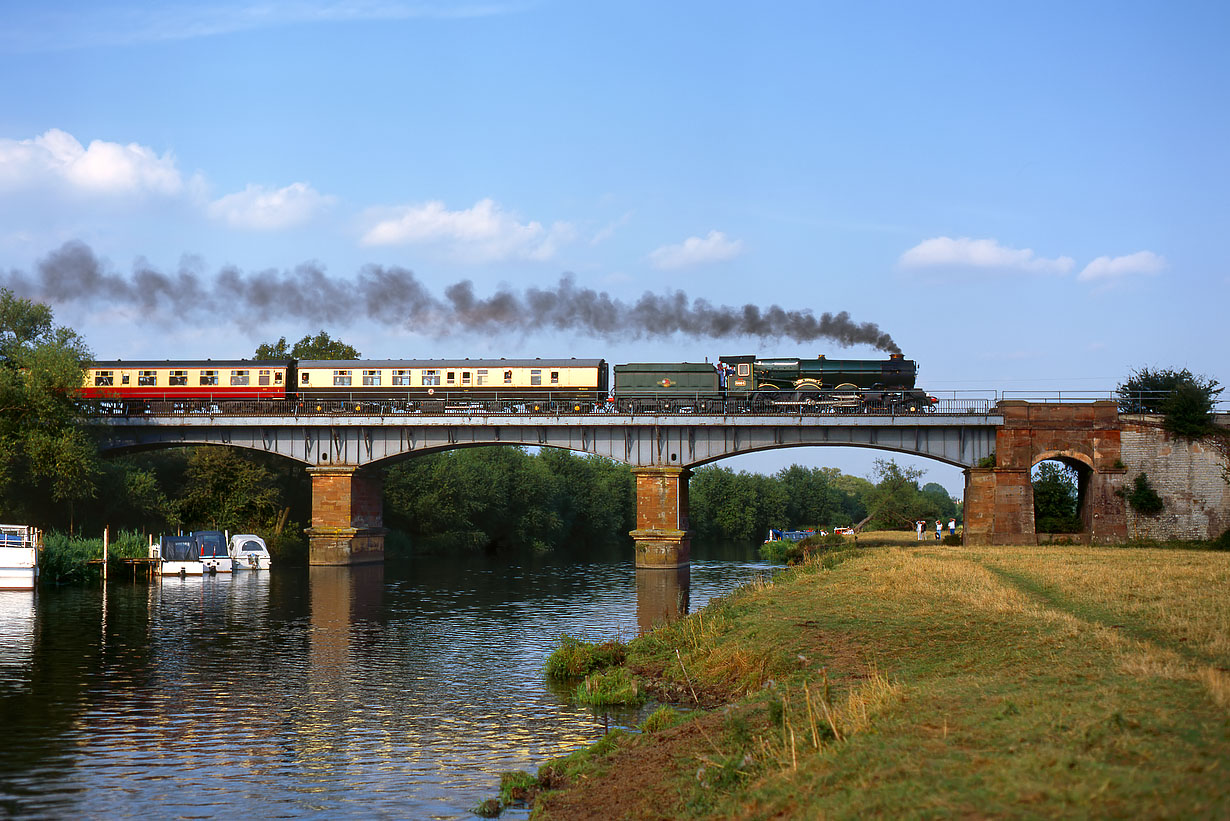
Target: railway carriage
214,379
455,380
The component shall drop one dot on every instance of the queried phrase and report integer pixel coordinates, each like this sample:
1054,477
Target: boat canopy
179,549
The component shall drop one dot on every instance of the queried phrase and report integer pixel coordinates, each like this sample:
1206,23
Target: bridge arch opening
1060,481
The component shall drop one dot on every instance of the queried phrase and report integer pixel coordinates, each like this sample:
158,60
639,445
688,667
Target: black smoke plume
394,296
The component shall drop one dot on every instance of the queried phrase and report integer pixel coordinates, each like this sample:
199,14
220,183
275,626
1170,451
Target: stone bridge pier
347,524
662,537
999,500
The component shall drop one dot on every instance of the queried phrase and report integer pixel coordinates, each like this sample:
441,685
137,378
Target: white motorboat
248,552
180,556
215,558
18,557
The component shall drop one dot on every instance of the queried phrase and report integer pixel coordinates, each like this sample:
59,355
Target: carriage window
401,377
123,379
178,378
465,377
480,376
209,377
535,377
507,377
745,369
341,378
104,379
450,378
277,378
239,377
431,377
371,377
303,377
146,378
262,377
554,377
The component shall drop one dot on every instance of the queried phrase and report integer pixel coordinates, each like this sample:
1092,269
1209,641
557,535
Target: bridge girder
641,441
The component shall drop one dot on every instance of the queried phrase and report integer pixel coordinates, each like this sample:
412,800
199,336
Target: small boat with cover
248,552
215,558
180,556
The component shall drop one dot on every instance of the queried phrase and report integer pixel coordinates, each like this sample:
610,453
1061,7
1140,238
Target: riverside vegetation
921,681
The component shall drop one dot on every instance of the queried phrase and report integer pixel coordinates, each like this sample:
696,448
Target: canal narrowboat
18,557
249,552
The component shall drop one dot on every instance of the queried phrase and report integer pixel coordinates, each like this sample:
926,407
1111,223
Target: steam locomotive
516,385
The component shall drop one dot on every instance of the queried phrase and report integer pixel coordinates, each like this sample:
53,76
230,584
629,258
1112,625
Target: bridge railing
851,403
1128,401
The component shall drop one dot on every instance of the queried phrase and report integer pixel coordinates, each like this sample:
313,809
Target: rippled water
399,691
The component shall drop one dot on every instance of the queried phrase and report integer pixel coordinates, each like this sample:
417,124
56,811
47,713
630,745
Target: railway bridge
345,452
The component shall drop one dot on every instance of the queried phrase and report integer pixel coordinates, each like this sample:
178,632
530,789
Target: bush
614,687
575,658
1143,498
1222,542
661,719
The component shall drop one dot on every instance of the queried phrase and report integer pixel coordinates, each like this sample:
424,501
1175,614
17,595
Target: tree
894,501
321,346
48,461
224,490
1055,499
811,499
735,506
1184,399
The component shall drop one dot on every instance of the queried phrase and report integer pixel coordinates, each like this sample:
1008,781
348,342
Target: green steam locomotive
777,383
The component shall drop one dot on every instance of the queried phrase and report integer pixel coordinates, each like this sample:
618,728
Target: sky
1022,197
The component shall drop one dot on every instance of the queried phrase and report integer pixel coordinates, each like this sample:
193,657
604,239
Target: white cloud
1113,268
695,251
981,253
257,208
102,168
483,233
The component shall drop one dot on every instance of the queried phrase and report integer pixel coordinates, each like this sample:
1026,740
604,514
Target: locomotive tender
578,385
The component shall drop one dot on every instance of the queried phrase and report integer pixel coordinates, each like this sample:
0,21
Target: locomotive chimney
896,356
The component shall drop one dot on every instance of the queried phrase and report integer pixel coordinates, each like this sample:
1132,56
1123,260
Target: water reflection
661,596
401,690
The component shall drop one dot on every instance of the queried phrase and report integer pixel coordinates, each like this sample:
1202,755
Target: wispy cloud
982,254
483,233
257,208
696,251
57,159
1110,269
106,24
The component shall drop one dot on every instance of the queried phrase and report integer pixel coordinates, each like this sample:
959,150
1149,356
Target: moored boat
776,535
18,557
215,558
180,556
249,552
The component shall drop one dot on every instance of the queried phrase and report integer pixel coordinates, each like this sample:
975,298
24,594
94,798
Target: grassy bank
926,680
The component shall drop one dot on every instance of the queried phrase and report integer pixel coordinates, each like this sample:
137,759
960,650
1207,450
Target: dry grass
926,680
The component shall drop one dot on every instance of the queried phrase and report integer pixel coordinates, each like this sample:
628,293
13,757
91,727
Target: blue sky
1024,196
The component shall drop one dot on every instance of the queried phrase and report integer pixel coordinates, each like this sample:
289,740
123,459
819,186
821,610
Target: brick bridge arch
999,500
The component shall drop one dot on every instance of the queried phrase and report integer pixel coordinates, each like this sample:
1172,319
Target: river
394,691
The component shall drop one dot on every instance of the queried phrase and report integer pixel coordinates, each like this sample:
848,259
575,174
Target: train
732,383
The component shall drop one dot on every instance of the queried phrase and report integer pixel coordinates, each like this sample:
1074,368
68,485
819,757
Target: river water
394,691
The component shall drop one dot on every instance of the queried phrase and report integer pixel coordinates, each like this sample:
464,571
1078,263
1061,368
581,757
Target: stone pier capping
347,523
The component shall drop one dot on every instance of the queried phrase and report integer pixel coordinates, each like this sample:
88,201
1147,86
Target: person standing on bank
939,529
